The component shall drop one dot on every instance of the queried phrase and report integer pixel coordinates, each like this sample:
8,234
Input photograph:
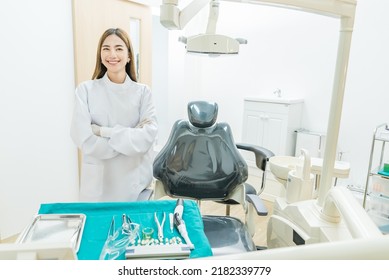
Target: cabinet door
265,129
253,128
274,132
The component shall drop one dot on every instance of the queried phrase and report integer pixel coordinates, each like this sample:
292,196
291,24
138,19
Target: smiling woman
91,19
114,125
115,56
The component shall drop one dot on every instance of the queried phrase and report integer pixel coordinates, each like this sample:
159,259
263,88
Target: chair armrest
262,155
257,203
145,194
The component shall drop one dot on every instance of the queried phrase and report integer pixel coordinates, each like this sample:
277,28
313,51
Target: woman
114,125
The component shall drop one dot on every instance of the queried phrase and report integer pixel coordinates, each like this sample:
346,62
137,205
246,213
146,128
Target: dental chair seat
235,238
201,161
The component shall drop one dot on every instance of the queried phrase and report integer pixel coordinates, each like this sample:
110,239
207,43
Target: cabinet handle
264,117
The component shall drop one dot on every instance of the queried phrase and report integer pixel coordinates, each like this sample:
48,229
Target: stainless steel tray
51,228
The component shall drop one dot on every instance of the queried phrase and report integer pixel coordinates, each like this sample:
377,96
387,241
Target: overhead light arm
209,42
212,17
173,18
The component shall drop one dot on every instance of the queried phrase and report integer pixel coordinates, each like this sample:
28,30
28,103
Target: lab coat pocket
99,119
92,180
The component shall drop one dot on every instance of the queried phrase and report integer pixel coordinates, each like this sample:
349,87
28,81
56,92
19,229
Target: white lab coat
120,167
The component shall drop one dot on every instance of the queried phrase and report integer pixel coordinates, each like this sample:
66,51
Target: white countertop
273,99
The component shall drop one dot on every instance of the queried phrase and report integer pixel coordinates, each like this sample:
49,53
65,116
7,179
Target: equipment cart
376,194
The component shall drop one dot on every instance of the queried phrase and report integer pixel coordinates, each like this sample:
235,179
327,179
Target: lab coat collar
117,87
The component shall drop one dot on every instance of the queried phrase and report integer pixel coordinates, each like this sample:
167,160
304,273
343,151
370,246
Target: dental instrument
160,225
171,220
117,240
129,228
180,224
115,244
179,210
126,223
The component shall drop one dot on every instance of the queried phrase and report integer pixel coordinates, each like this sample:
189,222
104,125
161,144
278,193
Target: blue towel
383,173
99,217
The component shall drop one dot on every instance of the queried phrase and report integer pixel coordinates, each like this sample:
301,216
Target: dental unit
335,219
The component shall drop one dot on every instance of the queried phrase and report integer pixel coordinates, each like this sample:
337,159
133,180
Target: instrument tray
53,228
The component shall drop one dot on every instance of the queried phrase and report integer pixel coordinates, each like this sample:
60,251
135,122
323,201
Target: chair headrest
202,114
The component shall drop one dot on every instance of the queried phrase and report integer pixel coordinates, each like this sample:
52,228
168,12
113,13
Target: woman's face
114,54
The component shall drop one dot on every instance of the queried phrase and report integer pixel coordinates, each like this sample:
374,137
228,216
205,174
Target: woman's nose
112,53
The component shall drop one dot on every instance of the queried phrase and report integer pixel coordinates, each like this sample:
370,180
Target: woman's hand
143,123
96,129
101,131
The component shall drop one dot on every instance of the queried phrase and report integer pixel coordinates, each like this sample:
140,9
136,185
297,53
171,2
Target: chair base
227,235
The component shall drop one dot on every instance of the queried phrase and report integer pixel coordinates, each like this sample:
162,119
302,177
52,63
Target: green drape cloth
99,217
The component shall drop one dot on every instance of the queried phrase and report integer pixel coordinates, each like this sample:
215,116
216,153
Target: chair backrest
200,159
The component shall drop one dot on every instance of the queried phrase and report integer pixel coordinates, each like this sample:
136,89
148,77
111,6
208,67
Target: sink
281,165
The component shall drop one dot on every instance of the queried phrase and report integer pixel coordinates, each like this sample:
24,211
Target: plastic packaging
118,239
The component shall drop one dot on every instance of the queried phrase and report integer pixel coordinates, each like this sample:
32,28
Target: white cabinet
271,123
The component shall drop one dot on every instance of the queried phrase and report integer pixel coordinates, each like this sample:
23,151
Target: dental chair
200,161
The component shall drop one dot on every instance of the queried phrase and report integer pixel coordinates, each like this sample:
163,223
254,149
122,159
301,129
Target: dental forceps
160,225
126,228
114,245
129,228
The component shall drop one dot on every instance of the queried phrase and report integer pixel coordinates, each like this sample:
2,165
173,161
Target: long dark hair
100,69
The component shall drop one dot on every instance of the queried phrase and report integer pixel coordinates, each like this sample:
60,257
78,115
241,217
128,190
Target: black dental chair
200,161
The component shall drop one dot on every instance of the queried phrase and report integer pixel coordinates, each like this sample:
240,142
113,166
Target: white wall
38,161
296,52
